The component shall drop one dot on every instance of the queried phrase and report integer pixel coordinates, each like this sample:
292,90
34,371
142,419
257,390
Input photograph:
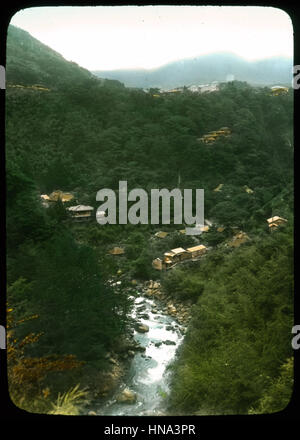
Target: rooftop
177,251
276,218
79,208
117,251
161,234
199,247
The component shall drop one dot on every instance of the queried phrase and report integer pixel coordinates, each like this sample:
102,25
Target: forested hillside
80,134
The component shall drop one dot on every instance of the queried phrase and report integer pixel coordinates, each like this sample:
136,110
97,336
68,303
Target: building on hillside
248,190
117,251
225,131
240,238
196,251
60,195
279,90
199,229
214,87
175,90
158,264
204,228
175,255
80,212
219,187
45,197
178,255
276,221
193,88
45,200
161,234
212,136
208,139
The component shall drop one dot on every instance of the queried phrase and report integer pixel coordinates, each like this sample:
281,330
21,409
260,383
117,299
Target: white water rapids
147,376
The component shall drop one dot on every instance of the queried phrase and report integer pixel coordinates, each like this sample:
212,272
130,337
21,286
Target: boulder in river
144,315
141,307
142,328
140,348
127,396
168,342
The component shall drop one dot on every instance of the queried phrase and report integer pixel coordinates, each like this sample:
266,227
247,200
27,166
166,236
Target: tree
79,313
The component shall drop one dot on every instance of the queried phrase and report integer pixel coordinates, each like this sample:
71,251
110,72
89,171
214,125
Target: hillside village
72,284
204,88
171,257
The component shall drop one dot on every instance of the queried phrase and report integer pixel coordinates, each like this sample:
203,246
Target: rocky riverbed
139,378
181,312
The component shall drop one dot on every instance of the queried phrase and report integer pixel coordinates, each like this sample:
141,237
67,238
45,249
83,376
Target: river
147,376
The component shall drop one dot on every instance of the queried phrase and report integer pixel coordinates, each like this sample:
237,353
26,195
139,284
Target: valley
145,319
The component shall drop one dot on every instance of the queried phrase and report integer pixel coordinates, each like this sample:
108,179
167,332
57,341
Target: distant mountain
31,62
206,69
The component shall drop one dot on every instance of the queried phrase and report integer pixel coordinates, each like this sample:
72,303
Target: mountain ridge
217,66
30,61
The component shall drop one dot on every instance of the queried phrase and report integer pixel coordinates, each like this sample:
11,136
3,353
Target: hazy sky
112,37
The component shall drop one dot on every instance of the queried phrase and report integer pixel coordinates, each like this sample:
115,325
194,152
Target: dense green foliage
112,133
31,62
239,335
84,134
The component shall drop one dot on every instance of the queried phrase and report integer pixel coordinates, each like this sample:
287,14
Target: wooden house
196,251
60,195
80,212
175,255
161,234
276,221
117,251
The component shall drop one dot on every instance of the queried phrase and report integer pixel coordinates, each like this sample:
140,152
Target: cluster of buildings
170,258
34,87
209,88
245,187
77,212
279,90
201,88
55,196
212,136
177,255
